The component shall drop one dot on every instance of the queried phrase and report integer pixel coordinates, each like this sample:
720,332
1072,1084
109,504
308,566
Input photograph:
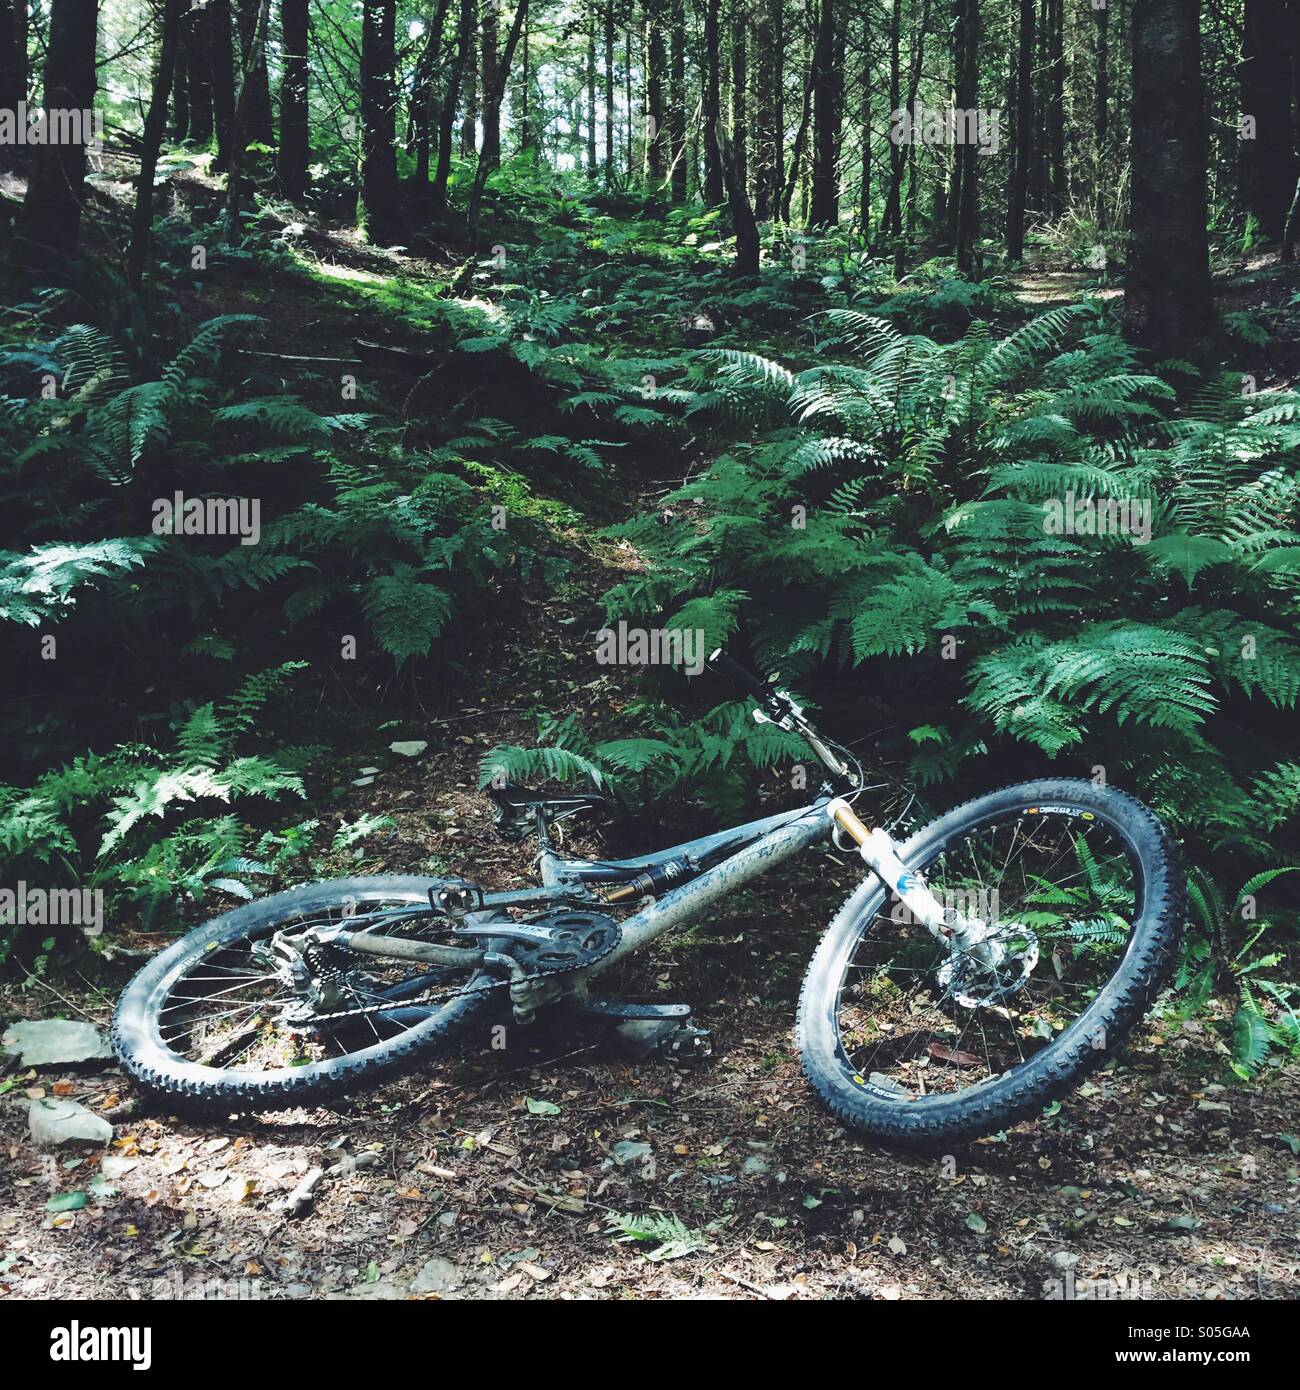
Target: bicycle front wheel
1082,896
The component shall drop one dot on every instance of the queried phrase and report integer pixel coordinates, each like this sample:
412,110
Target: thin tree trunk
967,211
469,126
222,58
151,141
180,91
238,121
864,124
609,90
655,136
379,211
259,126
50,219
294,153
593,166
742,214
677,100
490,147
627,102
1167,304
1101,114
740,92
462,62
492,113
714,189
1060,178
796,152
1023,152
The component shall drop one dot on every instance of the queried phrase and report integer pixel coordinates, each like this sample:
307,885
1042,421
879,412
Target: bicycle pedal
686,1045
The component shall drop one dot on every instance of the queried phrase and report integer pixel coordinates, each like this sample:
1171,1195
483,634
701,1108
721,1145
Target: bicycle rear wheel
213,1019
911,1042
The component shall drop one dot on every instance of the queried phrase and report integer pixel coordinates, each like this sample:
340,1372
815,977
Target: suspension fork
945,924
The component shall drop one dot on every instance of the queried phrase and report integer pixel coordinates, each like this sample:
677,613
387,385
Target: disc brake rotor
1010,954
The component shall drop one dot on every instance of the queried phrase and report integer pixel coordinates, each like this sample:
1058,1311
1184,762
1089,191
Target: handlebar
741,678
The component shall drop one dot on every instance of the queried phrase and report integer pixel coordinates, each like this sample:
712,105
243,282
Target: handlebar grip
744,680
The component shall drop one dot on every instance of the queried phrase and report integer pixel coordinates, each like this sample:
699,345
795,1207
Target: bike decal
1060,811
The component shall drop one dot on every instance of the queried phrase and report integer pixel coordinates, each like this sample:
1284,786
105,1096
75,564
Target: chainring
576,939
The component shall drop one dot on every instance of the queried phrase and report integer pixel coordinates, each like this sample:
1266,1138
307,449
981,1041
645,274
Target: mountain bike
983,966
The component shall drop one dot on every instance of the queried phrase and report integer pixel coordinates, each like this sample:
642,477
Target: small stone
56,1042
756,1166
437,1276
410,748
53,1122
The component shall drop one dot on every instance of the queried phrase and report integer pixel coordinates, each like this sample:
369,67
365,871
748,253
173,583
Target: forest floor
509,1171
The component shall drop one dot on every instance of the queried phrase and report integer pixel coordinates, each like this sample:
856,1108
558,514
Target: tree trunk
180,91
1267,162
1101,115
50,219
462,62
196,42
825,209
966,152
742,214
1055,109
768,135
593,165
1023,152
13,54
677,100
899,160
740,92
151,141
13,68
469,126
490,147
423,93
239,118
892,223
221,56
258,126
796,152
864,124
379,212
609,90
492,111
714,189
294,153
655,135
1167,304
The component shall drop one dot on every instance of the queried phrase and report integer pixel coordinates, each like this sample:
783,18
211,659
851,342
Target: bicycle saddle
514,808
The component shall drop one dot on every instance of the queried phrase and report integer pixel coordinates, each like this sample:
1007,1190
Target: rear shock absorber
658,879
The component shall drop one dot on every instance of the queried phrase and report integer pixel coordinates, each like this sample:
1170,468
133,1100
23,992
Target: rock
629,1154
756,1166
53,1122
1064,1259
437,1276
56,1042
378,1288
411,748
